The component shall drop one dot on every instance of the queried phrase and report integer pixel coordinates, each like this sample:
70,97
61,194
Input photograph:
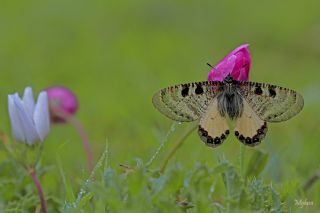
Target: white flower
30,122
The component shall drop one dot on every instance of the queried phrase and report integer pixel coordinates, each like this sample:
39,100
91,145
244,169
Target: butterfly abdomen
230,103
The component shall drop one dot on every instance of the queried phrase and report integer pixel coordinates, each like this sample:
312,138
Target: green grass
114,56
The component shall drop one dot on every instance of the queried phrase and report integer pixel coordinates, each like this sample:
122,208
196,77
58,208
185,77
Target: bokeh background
115,54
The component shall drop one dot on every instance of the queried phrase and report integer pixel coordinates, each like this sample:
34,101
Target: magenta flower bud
62,103
237,63
63,106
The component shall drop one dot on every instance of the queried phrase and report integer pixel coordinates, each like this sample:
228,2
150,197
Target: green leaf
85,199
257,163
222,167
276,202
70,196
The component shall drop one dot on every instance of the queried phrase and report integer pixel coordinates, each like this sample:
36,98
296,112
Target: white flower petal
26,123
41,115
28,101
15,119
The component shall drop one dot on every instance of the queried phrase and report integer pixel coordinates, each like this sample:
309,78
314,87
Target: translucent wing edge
180,94
286,115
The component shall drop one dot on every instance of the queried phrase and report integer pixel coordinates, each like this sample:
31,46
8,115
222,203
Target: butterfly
213,103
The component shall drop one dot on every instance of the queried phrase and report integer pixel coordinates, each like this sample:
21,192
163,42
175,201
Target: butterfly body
229,100
250,104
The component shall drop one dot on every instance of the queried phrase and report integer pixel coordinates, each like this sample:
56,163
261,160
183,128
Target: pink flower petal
237,63
62,99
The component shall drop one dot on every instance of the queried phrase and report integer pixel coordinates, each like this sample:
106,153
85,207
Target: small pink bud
237,63
62,103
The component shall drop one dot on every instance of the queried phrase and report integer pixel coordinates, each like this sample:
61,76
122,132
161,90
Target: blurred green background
115,54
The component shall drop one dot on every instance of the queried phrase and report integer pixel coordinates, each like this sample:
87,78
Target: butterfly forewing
213,128
250,129
186,102
271,103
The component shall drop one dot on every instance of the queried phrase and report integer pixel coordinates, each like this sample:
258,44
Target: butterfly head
228,79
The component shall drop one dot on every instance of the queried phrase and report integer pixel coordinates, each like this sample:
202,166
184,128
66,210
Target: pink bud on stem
63,106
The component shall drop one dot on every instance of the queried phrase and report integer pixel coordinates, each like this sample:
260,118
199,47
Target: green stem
32,172
83,135
311,181
172,129
176,147
85,141
241,159
103,161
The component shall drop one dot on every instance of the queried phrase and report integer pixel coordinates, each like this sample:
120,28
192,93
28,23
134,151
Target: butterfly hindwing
271,103
250,129
213,128
186,102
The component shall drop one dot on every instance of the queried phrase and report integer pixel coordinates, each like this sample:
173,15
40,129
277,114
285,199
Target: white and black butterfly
251,104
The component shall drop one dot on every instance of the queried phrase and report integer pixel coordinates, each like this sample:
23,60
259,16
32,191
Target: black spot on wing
258,90
248,140
255,139
272,92
209,140
217,140
223,136
199,89
185,91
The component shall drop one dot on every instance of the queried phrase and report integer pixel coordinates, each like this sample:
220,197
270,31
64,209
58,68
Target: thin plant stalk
103,161
311,181
83,135
32,172
177,145
241,159
172,129
76,123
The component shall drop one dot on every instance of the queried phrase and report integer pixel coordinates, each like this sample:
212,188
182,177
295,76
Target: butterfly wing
250,129
271,103
186,102
213,128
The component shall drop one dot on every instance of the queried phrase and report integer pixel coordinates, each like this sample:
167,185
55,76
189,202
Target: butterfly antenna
210,65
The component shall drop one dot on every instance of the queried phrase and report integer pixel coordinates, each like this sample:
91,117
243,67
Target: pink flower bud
236,63
62,103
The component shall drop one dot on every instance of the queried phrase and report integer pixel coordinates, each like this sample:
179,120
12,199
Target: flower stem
172,129
176,147
85,140
32,172
311,181
83,135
